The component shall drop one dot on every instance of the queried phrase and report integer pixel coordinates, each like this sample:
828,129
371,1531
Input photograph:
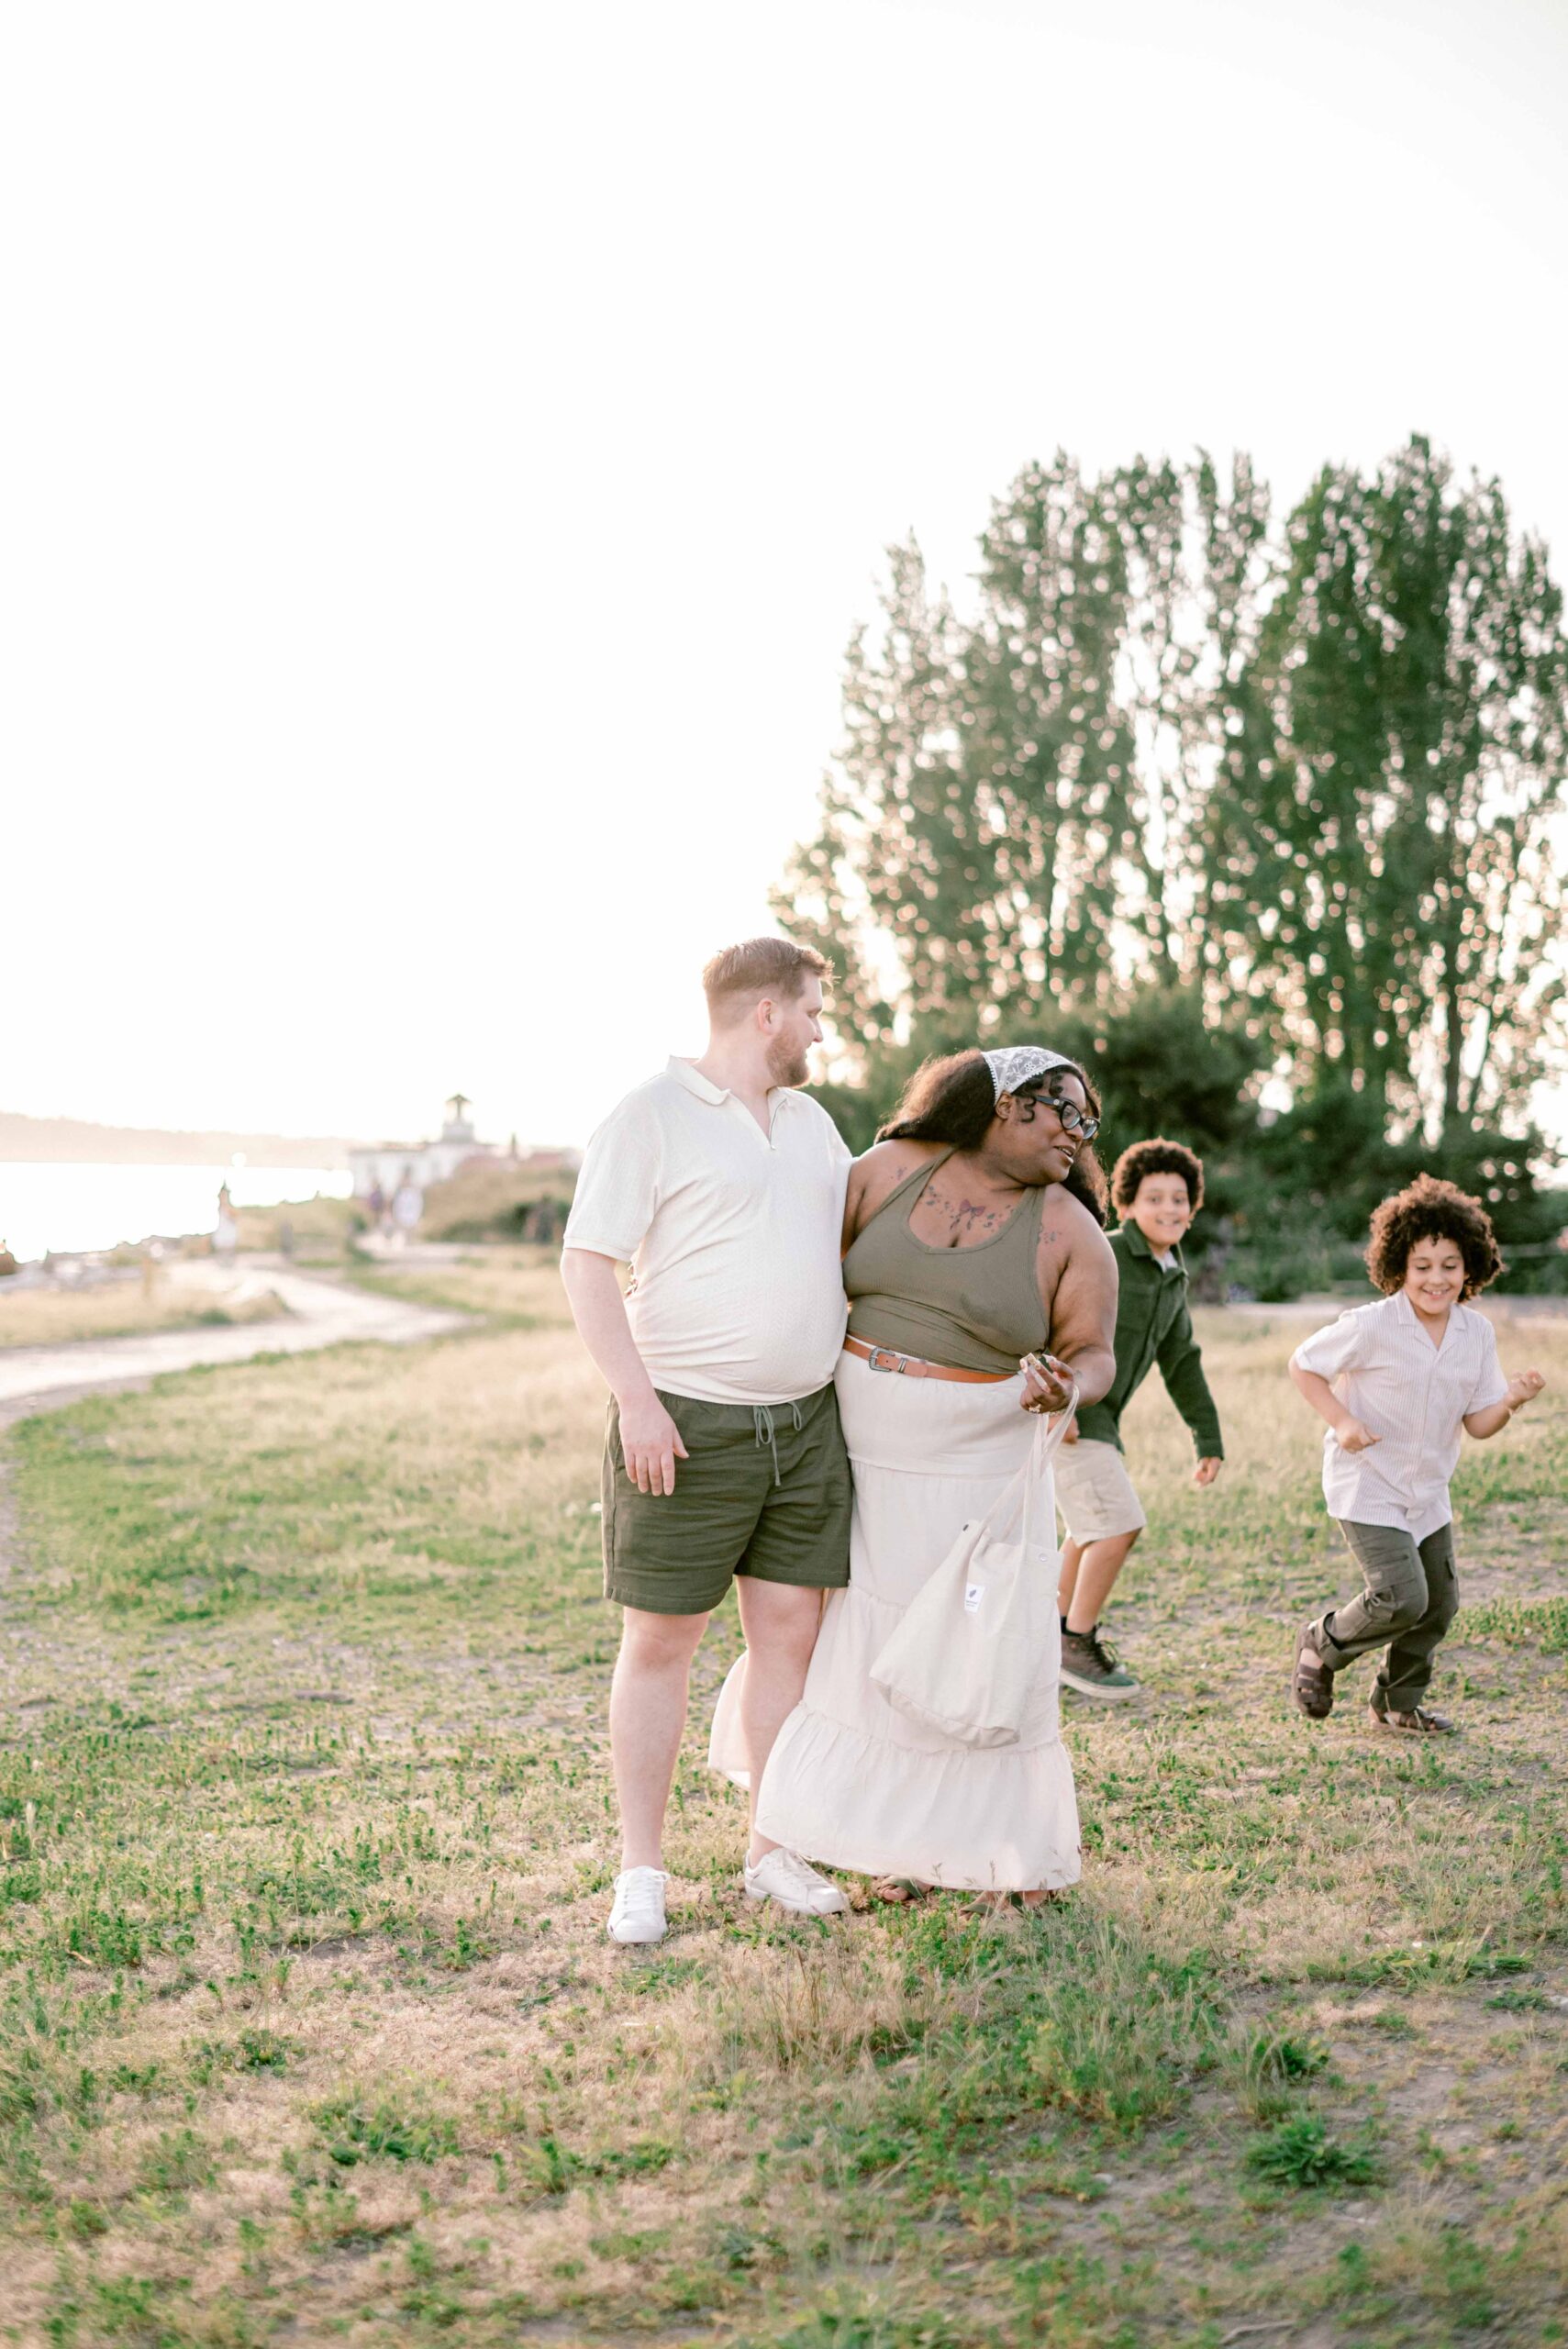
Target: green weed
352,2131
1122,2034
1517,1622
180,2160
1301,2152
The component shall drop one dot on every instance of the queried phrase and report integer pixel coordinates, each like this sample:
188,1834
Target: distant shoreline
56,1141
90,1206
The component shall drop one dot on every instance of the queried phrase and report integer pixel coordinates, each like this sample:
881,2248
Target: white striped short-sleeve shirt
1414,1397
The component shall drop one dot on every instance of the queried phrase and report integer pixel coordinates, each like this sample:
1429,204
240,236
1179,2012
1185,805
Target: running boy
1156,1188
1414,1372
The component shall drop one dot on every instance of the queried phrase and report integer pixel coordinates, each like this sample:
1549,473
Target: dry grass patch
830,2002
127,1308
518,1286
309,2026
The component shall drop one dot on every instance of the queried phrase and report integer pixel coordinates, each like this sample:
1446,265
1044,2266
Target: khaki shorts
1094,1492
763,1491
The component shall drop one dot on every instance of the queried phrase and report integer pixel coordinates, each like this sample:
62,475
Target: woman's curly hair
1429,1208
1155,1157
954,1100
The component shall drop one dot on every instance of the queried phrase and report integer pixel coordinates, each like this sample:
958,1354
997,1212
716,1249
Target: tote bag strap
1014,1502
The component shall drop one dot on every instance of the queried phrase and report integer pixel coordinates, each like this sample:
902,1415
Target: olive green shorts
763,1491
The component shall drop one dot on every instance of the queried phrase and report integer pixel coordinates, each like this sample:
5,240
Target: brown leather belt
912,1367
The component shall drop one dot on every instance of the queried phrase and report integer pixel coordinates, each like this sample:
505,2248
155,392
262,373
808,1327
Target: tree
1049,748
1305,781
1161,1064
902,860
984,828
1379,844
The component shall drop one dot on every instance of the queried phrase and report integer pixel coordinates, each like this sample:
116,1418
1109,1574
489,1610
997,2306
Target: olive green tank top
972,1309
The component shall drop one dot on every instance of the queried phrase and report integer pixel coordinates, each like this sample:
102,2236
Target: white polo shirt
1410,1394
732,1235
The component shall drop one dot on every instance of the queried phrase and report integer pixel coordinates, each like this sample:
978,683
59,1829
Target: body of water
76,1208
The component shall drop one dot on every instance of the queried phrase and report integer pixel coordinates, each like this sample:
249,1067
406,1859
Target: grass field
52,1317
309,2029
506,1283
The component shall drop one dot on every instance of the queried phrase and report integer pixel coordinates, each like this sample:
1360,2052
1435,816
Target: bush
1158,1062
1162,1065
1288,1197
500,1199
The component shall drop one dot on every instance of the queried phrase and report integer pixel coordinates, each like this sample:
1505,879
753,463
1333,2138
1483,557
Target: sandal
1023,1904
898,1891
1418,1723
1313,1685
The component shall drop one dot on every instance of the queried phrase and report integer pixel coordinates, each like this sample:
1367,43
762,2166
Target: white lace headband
1018,1062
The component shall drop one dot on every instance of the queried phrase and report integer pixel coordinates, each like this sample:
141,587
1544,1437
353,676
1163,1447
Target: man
724,1189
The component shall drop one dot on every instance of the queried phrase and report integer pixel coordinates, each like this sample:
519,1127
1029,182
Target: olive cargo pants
1411,1598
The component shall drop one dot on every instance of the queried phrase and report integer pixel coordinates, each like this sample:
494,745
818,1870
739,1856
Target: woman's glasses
1076,1120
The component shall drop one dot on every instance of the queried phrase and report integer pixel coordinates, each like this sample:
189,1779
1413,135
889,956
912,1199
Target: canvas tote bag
965,1659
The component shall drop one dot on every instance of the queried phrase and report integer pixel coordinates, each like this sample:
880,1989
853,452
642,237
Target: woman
971,1236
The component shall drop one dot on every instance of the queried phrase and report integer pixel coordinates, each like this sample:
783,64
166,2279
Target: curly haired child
1414,1374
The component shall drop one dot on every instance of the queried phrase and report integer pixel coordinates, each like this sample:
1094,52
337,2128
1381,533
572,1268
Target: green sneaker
1088,1665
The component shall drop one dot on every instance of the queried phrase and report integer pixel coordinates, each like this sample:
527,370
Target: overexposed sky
443,452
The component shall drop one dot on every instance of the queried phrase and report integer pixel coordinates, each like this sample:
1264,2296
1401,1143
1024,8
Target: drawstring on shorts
763,1417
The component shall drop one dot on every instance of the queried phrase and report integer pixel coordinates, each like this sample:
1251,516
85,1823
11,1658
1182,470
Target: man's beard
787,1064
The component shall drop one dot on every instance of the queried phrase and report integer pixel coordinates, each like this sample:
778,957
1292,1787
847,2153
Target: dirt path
323,1313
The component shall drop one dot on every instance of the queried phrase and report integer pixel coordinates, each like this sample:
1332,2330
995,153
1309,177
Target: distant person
226,1235
723,1186
1156,1190
375,1206
1400,1384
408,1207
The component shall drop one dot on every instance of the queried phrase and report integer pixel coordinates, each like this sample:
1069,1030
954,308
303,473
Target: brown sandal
898,1891
1017,1904
1418,1723
1313,1686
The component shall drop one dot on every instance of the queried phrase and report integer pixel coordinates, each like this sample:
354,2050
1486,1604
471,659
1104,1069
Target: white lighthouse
387,1163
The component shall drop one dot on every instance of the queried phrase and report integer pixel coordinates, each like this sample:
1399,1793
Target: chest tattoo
965,1221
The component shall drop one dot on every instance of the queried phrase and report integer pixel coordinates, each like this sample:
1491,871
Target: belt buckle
884,1358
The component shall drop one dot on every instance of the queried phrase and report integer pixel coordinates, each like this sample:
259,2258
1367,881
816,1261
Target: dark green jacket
1152,1325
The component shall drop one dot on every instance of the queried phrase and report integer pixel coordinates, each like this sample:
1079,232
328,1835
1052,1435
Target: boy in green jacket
1156,1188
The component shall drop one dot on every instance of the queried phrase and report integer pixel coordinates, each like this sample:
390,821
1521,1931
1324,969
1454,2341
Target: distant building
425,1162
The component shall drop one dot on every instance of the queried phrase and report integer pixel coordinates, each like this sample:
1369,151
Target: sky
445,451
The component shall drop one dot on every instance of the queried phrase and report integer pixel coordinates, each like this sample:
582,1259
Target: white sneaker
784,1876
639,1911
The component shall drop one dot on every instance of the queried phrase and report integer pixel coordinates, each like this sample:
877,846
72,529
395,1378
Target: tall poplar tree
897,886
1384,845
985,823
1049,747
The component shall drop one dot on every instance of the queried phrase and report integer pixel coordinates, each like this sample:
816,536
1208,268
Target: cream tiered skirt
855,1784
